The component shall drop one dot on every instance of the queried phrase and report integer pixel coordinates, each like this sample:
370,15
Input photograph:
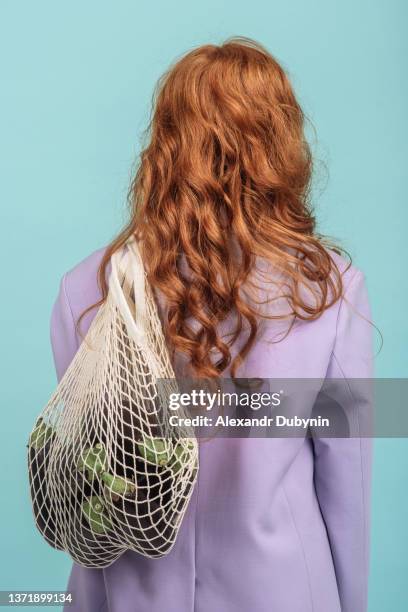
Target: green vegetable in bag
93,509
40,435
93,460
180,456
117,486
155,450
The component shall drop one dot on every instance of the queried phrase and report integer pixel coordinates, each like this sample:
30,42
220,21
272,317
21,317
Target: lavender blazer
276,525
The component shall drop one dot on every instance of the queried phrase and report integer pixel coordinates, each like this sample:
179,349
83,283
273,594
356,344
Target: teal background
76,83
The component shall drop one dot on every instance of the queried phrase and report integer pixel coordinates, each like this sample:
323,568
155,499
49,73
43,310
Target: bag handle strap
127,262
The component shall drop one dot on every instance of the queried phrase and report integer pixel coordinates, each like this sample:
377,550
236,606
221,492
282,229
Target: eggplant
40,435
155,450
86,543
94,512
117,486
93,460
44,516
141,523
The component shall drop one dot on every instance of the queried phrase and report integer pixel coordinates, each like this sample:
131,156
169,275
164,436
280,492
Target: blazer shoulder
350,274
81,282
347,269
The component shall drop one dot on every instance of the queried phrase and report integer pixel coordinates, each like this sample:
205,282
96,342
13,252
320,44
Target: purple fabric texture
274,525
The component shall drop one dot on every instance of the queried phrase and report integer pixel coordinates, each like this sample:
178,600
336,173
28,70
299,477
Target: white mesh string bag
107,471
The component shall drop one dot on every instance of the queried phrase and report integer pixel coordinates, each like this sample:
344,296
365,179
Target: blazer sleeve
343,465
64,340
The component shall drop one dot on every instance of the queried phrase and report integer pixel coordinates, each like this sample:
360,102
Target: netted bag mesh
107,472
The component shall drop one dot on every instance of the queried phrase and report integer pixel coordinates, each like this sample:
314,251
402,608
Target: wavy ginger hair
225,180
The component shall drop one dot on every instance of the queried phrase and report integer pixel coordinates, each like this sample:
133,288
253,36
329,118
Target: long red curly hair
225,181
